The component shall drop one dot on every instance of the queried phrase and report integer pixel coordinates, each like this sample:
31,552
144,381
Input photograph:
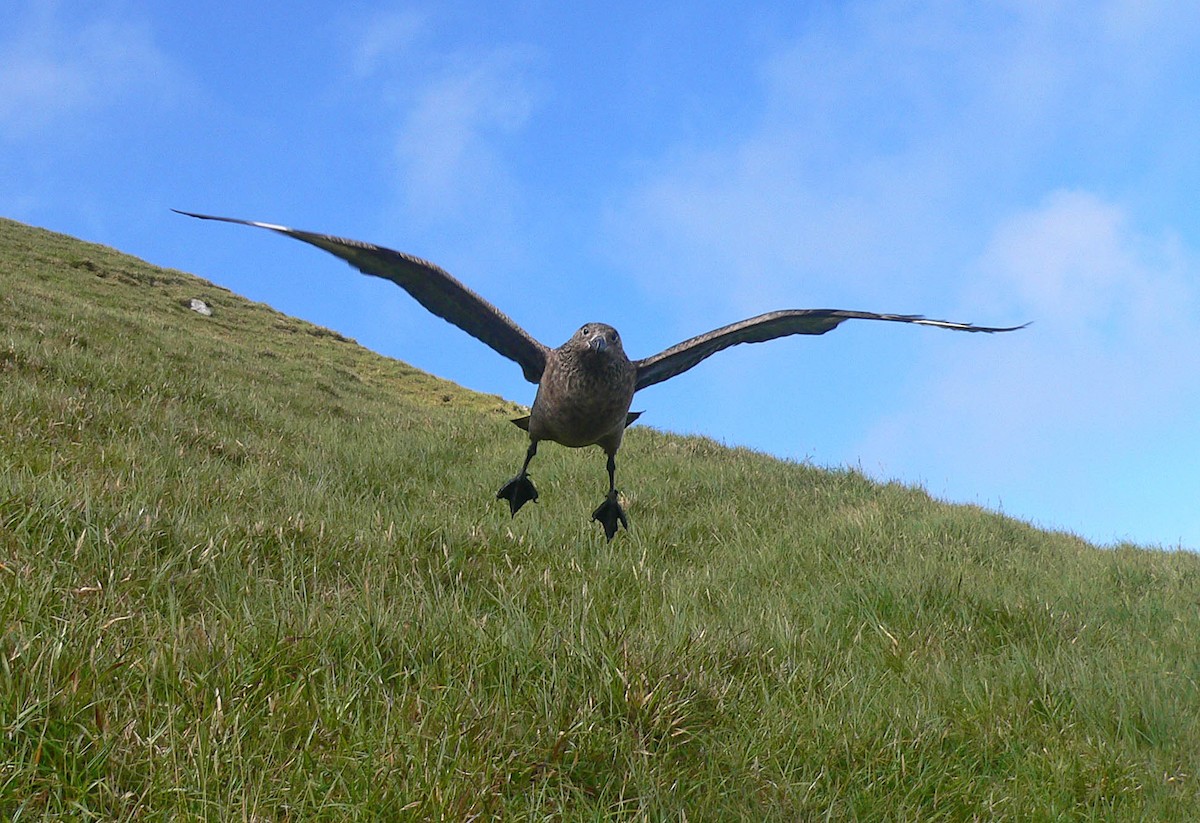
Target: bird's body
585,392
586,385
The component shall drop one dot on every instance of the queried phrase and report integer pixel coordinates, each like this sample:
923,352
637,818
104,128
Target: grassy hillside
249,570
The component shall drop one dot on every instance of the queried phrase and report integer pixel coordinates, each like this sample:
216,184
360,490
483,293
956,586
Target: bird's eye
586,330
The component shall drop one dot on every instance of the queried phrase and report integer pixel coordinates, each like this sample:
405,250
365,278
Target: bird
585,387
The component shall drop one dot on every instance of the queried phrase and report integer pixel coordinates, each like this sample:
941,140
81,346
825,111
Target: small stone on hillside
200,307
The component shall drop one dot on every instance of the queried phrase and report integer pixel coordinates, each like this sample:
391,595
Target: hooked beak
598,343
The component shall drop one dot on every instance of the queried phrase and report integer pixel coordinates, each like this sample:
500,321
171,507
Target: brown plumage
586,385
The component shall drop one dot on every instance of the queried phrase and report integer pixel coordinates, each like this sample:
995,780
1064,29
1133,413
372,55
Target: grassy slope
251,570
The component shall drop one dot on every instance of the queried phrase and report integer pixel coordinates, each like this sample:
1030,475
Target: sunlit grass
249,570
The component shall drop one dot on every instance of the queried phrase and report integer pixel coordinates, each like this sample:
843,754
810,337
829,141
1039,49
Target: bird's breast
580,406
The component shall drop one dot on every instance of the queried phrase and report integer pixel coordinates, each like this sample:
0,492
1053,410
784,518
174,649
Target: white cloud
54,70
1077,258
1118,313
1107,371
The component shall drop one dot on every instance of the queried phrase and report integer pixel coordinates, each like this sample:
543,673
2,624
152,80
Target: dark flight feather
432,287
683,356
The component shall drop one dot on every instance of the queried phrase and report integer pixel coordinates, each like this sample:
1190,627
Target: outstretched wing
681,357
433,287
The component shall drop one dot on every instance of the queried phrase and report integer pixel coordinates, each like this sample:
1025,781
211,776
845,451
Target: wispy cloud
453,114
449,144
54,69
877,134
384,38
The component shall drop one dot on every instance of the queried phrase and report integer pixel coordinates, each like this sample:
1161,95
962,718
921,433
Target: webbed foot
609,513
517,492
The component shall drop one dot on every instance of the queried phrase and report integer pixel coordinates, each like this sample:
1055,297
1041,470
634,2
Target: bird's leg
610,511
520,490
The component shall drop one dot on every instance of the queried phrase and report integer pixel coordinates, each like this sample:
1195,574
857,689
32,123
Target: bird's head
597,338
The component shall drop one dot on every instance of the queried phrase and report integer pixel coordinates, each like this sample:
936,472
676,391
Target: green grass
249,570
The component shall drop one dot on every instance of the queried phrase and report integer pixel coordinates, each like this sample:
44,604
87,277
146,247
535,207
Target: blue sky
676,169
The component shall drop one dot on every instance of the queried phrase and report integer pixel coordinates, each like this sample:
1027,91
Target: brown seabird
586,385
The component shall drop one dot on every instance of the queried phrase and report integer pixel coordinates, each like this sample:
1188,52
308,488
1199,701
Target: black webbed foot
517,492
609,513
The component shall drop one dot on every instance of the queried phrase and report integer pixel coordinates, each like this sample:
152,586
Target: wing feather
432,287
685,355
